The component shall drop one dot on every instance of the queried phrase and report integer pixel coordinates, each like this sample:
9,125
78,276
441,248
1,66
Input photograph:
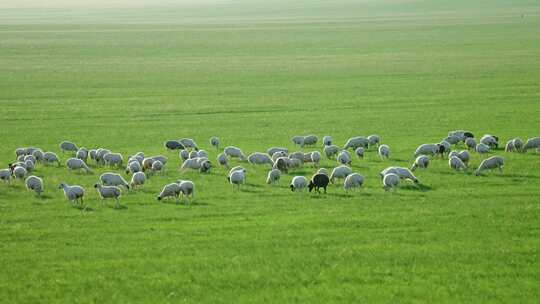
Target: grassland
255,74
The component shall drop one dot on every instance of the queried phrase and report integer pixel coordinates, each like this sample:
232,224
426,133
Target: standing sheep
38,154
173,145
273,150
19,172
34,183
531,143
298,183
82,154
490,164
298,140
470,142
384,151
73,193
109,192
355,142
331,150
133,167
482,148
427,149
214,142
490,140
309,140
138,179
157,166
279,154
259,158
340,172
68,146
421,161
456,163
170,190
403,173
223,160
318,181
77,164
316,158
233,152
360,152
390,181
113,159
184,154
189,143
113,179
327,140
353,180
344,158
374,140
50,157
187,190
5,175
273,177
237,177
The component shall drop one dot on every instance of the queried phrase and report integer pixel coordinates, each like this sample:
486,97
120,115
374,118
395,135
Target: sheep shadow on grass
417,187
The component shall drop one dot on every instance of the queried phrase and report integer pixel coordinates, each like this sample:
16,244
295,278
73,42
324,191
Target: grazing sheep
452,139
202,153
322,171
100,153
331,150
360,152
444,147
173,145
170,190
298,140
237,177
19,172
189,143
147,163
184,154
187,190
316,158
490,140
403,173
462,135
295,163
309,140
531,143
482,148
390,181
138,179
21,158
133,167
374,140
20,151
50,157
139,156
77,164
282,164
384,151
72,193
35,184
193,154
157,166
29,165
237,168
259,158
427,149
421,161
279,154
456,163
68,146
113,179
318,181
223,160
5,175
297,155
340,172
517,142
200,163
327,140
298,183
93,154
38,154
344,158
273,150
353,180
509,147
355,142
109,192
113,159
161,158
82,154
234,152
273,176
214,142
465,156
490,164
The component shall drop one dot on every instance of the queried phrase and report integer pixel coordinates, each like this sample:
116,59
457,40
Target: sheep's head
292,188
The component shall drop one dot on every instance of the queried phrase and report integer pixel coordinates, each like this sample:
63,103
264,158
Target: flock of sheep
281,161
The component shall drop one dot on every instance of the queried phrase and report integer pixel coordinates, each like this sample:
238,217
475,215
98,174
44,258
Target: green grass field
255,74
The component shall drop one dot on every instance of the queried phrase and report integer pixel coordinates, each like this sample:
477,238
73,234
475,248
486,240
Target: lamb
298,140
173,145
237,177
138,179
223,160
187,189
19,172
184,154
374,140
340,172
318,181
384,151
214,142
259,158
109,192
235,152
309,140
355,142
157,166
403,173
531,144
298,183
490,164
456,163
113,159
273,176
273,150
331,150
316,158
353,180
35,184
490,140
38,154
279,154
82,154
282,164
113,179
50,157
77,164
390,181
68,146
133,167
72,193
482,148
5,175
170,190
427,149
327,140
359,152
421,161
189,143
344,158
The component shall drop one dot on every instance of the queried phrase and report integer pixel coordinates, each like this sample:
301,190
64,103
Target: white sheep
452,139
223,160
100,153
427,149
138,179
147,163
421,161
532,143
490,140
273,176
72,193
340,172
298,140
30,158
5,175
157,166
465,156
282,164
35,184
113,179
299,183
93,154
193,154
322,171
316,158
68,146
237,168
133,167
456,163
38,154
259,158
77,164
235,152
482,148
384,151
403,173
309,140
360,152
490,164
189,143
20,151
50,157
183,154
327,140
200,163
390,181
82,154
237,177
295,163
170,190
344,158
470,142
355,142
296,155
279,154
353,180
187,190
444,147
29,165
109,192
113,159
214,142
19,172
202,153
331,150
374,140
273,150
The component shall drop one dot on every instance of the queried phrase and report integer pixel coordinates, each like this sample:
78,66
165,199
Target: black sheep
174,145
319,181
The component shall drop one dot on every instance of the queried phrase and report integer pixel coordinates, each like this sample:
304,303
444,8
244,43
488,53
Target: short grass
255,74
